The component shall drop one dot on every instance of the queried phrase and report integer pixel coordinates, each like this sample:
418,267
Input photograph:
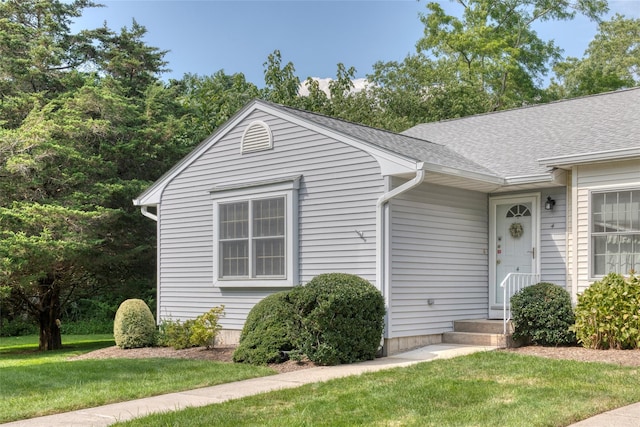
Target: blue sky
204,36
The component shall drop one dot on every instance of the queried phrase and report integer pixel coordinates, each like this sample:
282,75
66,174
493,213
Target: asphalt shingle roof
511,142
504,144
407,146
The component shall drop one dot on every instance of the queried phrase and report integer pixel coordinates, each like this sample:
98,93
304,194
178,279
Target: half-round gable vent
256,137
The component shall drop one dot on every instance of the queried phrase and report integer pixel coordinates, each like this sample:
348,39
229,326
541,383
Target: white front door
513,244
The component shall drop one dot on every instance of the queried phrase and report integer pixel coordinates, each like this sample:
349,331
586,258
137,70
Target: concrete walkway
123,411
627,416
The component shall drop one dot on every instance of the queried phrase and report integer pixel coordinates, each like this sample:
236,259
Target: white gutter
528,179
148,214
596,156
381,245
476,176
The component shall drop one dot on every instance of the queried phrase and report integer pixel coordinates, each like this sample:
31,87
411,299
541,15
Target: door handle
532,252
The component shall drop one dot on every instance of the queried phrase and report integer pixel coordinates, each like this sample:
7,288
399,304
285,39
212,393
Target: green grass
23,351
36,383
483,389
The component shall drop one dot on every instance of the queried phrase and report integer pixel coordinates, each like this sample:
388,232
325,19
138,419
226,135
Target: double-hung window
252,238
254,233
615,232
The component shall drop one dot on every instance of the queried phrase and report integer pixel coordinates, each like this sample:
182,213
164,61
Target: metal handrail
512,283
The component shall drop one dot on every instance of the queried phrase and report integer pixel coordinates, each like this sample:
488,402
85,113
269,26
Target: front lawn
482,389
36,383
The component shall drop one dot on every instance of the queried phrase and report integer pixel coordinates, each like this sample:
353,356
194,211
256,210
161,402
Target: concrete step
482,326
475,338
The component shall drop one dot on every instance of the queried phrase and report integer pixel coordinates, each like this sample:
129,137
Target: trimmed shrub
270,330
342,317
608,313
542,314
134,326
174,333
199,332
205,328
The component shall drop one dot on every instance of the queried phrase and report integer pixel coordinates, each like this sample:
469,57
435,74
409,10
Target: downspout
145,212
148,214
381,244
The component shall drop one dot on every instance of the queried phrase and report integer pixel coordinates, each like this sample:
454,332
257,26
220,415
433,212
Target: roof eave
153,194
475,176
529,179
593,157
391,163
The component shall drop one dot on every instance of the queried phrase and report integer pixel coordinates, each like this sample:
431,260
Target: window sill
254,283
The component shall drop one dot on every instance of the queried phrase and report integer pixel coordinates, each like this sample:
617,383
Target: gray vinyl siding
439,249
553,238
337,196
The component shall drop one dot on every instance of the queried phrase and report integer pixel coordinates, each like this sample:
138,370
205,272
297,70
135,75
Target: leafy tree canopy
493,47
611,62
87,126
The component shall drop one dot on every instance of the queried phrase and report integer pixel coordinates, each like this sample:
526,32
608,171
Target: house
438,217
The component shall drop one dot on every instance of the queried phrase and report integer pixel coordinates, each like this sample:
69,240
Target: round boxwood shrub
608,314
269,331
134,326
342,317
542,314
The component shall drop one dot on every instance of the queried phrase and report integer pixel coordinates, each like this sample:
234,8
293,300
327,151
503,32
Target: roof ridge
525,107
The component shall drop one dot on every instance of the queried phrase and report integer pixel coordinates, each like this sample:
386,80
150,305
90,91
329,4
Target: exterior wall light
549,204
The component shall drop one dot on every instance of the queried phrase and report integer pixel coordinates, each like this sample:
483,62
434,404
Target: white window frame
287,188
592,265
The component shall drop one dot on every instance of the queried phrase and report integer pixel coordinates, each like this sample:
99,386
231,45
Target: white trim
600,189
284,187
529,179
390,163
385,286
474,176
493,310
277,183
158,258
253,147
153,194
596,156
574,234
145,212
386,158
383,281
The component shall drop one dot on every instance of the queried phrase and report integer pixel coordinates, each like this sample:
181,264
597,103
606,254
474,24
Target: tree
45,259
38,53
493,48
78,146
127,59
56,237
611,62
281,83
211,100
420,89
